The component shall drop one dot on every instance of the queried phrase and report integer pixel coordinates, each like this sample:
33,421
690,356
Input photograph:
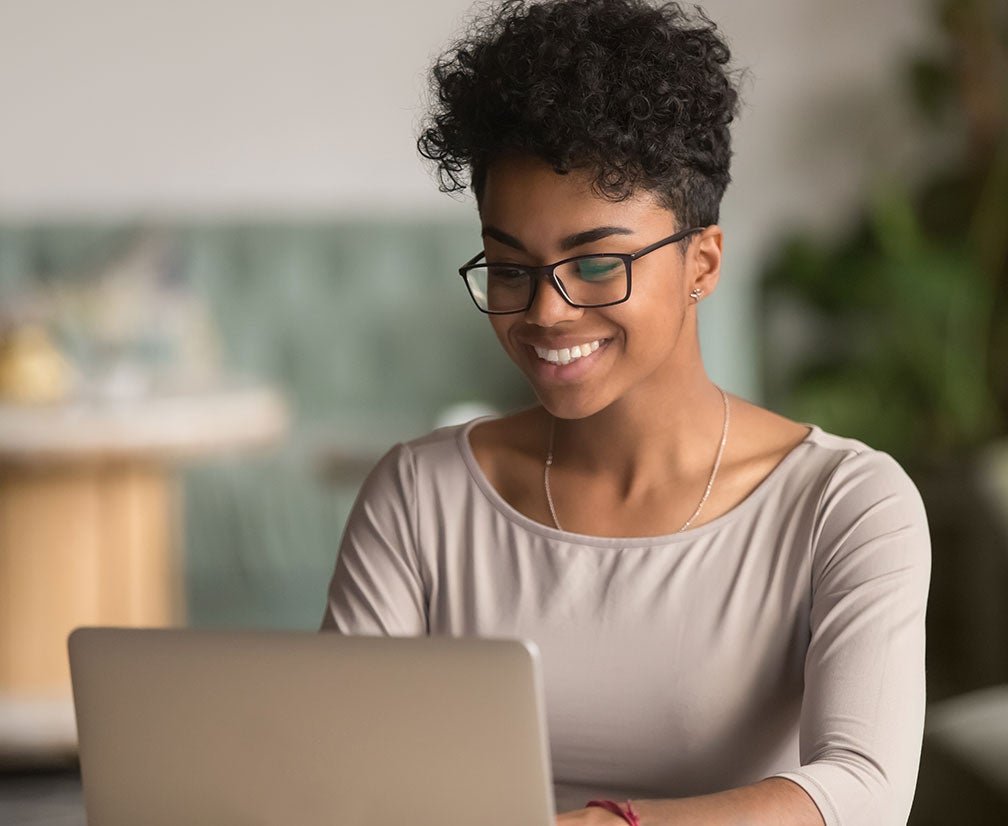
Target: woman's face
634,352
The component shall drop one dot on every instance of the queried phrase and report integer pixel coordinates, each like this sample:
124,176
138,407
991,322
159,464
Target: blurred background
227,285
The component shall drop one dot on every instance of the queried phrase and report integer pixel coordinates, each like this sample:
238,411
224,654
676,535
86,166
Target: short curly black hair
640,95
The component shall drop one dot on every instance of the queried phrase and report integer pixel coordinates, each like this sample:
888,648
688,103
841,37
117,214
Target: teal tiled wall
366,328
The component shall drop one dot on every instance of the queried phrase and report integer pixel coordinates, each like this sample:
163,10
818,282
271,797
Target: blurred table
964,770
90,532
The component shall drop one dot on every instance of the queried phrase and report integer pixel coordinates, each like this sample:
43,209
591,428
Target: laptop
261,728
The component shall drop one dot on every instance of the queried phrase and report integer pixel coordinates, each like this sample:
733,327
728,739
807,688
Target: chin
570,403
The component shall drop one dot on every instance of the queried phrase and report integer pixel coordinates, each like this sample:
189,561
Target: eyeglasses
583,281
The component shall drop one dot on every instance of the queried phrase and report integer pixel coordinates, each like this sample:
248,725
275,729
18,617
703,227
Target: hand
593,816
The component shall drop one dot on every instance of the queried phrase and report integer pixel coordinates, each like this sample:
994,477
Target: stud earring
695,293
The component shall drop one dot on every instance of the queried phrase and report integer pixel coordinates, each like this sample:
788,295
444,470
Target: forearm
771,802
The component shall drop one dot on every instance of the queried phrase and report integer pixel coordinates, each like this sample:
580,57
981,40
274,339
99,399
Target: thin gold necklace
703,499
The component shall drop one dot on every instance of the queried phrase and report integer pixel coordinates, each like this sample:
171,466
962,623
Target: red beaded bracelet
626,812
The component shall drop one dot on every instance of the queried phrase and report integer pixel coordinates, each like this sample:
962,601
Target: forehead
525,197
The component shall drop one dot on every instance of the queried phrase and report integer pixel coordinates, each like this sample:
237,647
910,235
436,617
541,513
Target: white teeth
567,355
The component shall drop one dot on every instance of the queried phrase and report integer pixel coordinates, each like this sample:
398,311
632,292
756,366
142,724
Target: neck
641,442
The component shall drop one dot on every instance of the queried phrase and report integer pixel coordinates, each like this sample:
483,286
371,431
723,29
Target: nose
549,307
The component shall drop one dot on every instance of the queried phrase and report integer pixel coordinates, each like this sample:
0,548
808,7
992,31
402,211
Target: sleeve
862,713
377,588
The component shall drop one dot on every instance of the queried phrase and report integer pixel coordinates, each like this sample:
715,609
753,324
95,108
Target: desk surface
47,797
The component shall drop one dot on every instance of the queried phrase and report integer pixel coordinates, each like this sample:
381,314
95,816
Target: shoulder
509,450
845,490
835,466
409,480
869,515
859,473
434,453
516,433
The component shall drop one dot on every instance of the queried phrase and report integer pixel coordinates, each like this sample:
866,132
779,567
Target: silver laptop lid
221,728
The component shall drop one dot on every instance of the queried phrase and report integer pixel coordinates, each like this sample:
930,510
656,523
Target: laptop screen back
247,728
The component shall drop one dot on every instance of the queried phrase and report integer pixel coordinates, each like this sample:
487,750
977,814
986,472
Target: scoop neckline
512,514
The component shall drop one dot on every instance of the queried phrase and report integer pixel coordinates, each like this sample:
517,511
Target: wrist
624,810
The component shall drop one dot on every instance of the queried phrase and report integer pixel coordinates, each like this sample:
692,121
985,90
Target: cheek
652,325
501,325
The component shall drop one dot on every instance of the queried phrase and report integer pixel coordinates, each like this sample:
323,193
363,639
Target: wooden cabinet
90,529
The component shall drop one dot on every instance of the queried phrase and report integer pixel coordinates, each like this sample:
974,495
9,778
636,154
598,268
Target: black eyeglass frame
548,271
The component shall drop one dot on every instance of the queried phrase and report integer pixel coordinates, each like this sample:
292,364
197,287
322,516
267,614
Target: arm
377,587
771,802
863,703
862,714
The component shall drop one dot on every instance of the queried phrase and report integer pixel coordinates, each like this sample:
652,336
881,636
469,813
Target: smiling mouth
568,354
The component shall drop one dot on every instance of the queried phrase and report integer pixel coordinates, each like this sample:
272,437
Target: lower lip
567,372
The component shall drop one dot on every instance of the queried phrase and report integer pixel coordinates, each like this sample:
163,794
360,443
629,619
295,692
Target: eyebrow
578,239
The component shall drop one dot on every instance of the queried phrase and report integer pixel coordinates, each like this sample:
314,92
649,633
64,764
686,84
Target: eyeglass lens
590,281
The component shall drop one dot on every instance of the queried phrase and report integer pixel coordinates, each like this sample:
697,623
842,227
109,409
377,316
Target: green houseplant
904,333
897,333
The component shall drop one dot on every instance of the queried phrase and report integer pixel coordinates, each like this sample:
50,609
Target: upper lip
562,344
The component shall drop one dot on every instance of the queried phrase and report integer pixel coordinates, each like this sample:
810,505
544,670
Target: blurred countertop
159,425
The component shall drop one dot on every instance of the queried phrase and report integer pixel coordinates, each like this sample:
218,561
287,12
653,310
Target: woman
729,604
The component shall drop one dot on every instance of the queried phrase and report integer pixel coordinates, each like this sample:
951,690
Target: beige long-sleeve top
785,637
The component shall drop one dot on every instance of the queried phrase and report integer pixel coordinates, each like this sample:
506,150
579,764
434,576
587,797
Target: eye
600,268
505,274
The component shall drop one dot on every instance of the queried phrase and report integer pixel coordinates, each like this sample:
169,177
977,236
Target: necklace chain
703,499
546,471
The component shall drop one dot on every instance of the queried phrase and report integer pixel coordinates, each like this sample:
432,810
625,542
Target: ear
704,261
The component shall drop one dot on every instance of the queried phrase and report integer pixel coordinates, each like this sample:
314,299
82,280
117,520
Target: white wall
213,105
120,107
